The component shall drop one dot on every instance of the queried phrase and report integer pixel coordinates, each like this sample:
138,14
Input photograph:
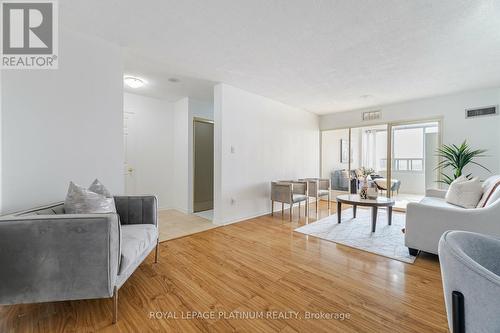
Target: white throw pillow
464,193
96,199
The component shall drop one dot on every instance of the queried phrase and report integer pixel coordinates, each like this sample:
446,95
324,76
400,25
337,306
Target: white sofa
428,219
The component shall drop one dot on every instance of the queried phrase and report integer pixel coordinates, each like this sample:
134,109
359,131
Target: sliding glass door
335,162
344,152
410,149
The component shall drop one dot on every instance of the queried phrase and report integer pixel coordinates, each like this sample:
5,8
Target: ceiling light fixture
133,82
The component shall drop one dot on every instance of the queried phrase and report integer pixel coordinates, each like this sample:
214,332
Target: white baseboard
268,212
240,219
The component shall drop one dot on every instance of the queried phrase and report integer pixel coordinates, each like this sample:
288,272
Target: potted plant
457,157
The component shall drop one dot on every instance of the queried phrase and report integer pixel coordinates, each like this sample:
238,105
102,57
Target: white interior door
128,168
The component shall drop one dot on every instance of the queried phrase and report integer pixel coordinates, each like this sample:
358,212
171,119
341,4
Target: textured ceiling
319,55
158,82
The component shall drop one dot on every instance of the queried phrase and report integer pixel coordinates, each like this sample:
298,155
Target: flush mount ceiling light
133,82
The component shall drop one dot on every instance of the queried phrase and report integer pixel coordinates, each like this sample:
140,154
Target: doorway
203,165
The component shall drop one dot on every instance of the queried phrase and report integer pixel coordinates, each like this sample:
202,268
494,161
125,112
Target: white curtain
369,149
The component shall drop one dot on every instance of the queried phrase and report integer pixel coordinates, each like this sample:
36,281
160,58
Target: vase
363,193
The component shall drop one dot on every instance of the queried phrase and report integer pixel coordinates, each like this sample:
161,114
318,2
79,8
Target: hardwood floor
256,265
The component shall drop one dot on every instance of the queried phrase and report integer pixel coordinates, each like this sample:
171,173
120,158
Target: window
402,165
417,165
409,143
409,147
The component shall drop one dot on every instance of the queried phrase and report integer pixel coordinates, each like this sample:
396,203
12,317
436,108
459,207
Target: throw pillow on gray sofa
99,188
95,199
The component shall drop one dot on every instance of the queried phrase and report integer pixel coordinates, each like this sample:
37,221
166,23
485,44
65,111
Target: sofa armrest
435,193
425,224
47,258
138,209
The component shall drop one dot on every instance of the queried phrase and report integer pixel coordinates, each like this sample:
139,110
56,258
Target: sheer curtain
369,149
374,149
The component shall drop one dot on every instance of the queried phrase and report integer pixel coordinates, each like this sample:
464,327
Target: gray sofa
339,180
46,255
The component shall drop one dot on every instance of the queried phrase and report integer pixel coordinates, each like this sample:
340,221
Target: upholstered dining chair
470,269
317,188
289,192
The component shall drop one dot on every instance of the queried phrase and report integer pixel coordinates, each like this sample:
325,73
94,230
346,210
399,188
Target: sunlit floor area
403,199
175,224
206,214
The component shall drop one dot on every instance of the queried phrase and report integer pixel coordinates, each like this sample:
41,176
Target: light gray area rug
387,241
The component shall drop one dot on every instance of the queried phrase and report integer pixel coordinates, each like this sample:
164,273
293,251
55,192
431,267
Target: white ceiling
318,55
158,84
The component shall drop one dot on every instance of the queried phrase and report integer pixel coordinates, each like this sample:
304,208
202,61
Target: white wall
160,147
150,147
480,132
1,153
180,197
270,140
201,109
61,125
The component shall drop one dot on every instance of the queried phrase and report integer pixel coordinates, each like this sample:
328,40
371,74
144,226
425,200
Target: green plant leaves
457,157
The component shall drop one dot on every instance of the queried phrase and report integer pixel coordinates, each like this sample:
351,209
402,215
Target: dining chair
289,192
318,188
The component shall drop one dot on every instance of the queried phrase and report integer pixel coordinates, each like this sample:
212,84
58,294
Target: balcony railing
404,164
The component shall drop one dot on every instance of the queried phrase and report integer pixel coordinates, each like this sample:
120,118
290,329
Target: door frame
390,144
200,120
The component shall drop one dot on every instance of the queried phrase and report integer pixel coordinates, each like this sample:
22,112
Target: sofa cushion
136,239
464,193
299,197
99,188
80,200
323,192
437,202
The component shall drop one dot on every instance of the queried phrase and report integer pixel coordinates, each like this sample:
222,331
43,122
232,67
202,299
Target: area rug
387,241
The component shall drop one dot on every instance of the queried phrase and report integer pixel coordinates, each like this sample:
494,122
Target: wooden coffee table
355,200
